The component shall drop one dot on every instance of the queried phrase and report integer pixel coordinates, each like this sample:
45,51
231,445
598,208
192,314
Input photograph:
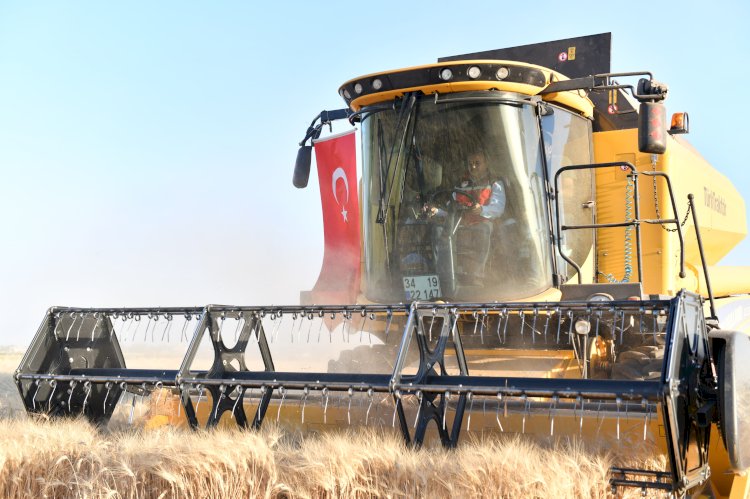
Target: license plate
422,287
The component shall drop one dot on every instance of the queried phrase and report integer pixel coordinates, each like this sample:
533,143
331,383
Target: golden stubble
71,458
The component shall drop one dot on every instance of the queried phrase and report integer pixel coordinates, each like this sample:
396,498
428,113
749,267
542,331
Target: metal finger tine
33,399
87,390
476,322
362,325
324,399
470,396
618,402
349,408
240,320
222,389
148,324
499,324
158,387
96,323
559,323
388,320
446,399
132,409
237,401
305,393
167,325
200,397
570,329
533,325
53,384
622,325
137,320
419,407
497,413
552,412
108,386
546,325
580,421
432,322
397,396
322,321
523,324
310,318
367,414
73,384
505,327
646,419
481,326
72,316
525,407
282,391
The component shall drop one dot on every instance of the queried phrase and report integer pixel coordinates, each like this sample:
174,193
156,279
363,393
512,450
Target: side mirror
302,167
652,129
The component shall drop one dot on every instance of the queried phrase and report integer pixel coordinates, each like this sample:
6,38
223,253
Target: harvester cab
513,258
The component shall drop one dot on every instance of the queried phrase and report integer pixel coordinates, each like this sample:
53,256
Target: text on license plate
422,287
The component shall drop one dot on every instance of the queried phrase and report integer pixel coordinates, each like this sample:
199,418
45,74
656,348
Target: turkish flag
339,278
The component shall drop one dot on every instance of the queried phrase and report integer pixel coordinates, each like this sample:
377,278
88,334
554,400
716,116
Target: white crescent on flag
339,173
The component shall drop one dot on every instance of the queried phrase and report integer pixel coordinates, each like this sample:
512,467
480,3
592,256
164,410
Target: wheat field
71,458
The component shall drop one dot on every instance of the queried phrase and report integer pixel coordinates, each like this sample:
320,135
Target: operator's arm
496,205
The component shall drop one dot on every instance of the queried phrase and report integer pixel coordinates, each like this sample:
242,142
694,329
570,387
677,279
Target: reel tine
505,327
160,387
321,316
552,412
132,408
137,320
470,396
310,318
74,317
445,407
388,320
362,325
419,407
240,319
53,384
646,419
523,325
33,399
168,325
546,324
533,325
476,322
618,402
349,408
324,400
481,325
367,414
434,312
525,412
148,323
497,413
87,390
222,389
222,319
200,397
305,393
282,391
96,323
108,386
237,389
559,323
397,396
580,421
72,384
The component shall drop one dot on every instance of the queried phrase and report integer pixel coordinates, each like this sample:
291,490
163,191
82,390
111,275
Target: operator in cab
479,200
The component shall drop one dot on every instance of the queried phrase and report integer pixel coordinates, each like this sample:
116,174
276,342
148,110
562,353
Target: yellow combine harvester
523,255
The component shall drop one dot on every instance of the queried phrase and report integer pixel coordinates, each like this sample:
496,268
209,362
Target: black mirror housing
302,167
652,128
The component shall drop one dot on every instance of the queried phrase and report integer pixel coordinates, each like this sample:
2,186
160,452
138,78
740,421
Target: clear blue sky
146,148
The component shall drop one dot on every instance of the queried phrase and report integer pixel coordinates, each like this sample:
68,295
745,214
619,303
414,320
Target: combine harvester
527,258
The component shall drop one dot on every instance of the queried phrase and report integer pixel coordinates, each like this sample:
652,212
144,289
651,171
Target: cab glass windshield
454,200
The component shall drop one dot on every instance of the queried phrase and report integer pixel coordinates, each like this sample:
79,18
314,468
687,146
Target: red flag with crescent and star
337,172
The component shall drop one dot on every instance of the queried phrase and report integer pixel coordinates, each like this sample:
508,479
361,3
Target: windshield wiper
388,173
